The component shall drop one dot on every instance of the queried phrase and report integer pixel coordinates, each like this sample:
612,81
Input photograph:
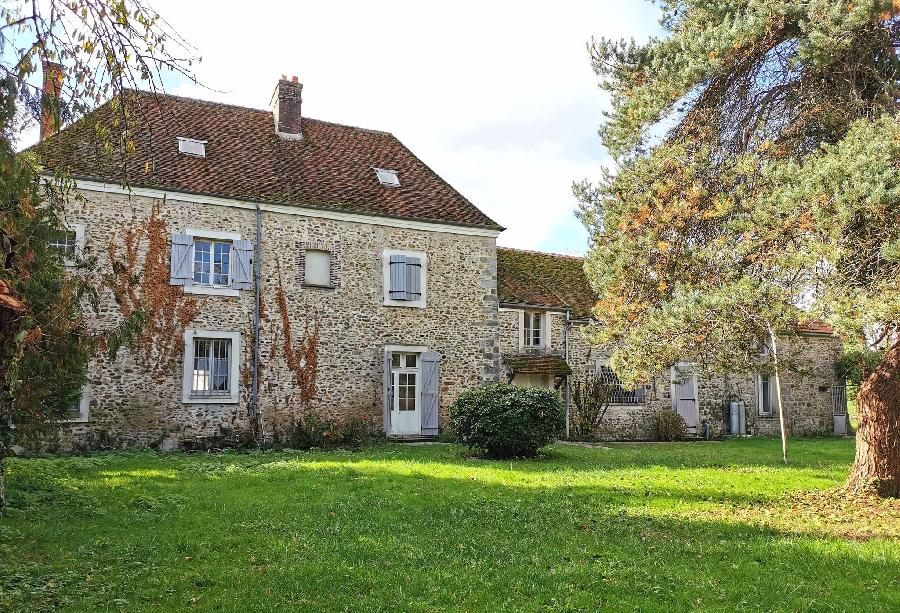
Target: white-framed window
534,329
192,146
405,376
211,366
405,278
212,262
317,268
79,412
386,177
70,243
767,395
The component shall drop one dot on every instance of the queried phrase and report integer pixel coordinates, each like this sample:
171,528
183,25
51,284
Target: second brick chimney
286,108
50,101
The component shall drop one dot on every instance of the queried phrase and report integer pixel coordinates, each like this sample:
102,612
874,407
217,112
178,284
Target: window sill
405,303
316,286
211,291
210,400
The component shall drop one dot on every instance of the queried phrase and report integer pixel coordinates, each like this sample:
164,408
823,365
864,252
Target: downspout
257,266
566,344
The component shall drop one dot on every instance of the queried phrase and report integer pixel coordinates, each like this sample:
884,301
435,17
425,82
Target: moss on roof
545,280
537,364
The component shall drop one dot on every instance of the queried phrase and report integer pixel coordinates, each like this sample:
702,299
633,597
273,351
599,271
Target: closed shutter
387,392
429,390
180,263
241,264
397,277
413,278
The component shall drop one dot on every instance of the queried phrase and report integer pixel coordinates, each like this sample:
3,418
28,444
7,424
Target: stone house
376,294
545,309
289,266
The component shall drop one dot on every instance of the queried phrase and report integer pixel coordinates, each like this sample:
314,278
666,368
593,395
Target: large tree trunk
877,464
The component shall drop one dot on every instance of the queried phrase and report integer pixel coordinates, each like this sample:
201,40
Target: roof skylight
388,178
192,146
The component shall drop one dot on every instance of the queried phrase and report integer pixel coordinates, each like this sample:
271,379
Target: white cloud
498,97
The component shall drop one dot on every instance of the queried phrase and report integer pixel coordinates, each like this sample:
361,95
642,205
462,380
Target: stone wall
806,386
129,407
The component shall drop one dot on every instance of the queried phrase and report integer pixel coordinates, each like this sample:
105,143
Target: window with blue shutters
211,262
404,278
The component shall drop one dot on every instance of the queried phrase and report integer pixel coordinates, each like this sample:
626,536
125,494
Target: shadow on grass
421,531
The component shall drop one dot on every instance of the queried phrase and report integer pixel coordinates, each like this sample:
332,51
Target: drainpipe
566,343
257,266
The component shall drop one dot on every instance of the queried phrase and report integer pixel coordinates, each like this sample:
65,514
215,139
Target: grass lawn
426,528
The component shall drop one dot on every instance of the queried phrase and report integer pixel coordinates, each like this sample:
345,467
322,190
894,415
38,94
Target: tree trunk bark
877,464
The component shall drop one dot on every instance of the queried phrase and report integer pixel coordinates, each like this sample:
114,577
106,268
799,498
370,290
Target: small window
388,178
65,242
192,147
317,268
79,411
404,278
212,367
212,261
533,329
767,396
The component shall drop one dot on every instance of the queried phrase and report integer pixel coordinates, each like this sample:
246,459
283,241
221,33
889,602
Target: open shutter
429,391
387,392
413,278
180,262
241,264
397,277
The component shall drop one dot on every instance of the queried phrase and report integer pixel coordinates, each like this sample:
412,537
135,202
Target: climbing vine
302,359
155,312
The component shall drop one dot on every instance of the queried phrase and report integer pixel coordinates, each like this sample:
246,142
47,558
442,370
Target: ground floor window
767,395
211,366
619,394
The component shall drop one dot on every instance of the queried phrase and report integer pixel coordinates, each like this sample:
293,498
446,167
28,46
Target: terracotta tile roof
537,364
331,167
814,327
545,280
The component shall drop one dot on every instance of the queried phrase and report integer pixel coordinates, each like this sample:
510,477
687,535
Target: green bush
507,421
670,426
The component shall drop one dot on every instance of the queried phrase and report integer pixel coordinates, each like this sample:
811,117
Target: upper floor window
212,259
211,262
533,327
317,268
69,242
404,278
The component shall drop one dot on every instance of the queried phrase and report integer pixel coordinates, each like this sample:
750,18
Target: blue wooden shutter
429,390
180,262
397,277
241,264
387,392
413,278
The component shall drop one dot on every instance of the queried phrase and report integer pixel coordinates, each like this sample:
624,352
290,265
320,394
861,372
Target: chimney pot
54,74
286,102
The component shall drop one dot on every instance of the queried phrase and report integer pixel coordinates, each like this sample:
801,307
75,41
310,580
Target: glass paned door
405,406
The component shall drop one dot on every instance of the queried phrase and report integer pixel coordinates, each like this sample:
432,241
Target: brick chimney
286,108
53,79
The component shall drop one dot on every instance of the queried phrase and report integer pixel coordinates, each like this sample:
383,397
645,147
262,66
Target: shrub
507,421
353,433
590,401
670,426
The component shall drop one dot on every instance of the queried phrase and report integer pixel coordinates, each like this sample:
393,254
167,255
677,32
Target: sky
498,97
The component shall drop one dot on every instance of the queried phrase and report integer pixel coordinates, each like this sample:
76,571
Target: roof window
388,178
192,146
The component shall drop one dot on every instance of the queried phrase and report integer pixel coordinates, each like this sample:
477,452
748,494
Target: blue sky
497,97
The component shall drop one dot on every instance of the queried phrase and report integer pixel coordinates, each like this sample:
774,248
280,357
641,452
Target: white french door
406,417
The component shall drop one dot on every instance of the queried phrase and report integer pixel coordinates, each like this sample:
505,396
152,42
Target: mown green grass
632,527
